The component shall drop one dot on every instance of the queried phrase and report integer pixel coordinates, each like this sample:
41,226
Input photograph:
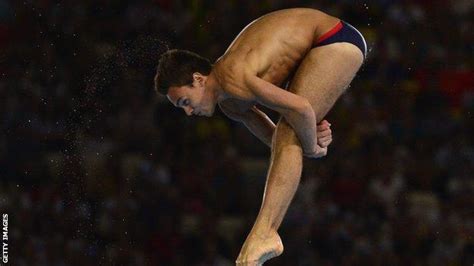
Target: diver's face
192,98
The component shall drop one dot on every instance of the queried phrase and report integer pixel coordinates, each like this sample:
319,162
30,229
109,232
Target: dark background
95,169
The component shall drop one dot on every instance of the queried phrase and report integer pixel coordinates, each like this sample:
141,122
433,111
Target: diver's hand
324,138
324,134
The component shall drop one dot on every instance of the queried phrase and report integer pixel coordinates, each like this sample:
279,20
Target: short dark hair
176,67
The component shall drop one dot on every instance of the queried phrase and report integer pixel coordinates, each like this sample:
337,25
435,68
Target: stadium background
95,169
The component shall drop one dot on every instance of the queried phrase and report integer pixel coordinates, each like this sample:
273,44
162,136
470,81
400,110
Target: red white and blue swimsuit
343,32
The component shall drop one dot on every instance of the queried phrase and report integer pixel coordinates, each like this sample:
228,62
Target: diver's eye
186,102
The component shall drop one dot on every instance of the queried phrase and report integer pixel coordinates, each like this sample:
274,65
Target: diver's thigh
325,73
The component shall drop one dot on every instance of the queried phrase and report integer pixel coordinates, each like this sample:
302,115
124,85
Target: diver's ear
198,77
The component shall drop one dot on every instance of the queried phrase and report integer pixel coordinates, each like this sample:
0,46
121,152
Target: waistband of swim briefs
331,32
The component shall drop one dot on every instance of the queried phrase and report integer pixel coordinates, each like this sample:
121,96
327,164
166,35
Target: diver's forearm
303,122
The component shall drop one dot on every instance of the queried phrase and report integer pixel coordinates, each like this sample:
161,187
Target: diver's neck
212,83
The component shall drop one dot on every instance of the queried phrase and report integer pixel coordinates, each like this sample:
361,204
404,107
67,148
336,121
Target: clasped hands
324,138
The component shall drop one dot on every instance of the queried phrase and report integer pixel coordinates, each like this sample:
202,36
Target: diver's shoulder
236,64
232,78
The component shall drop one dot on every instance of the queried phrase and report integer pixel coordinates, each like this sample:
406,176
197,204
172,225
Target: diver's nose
188,110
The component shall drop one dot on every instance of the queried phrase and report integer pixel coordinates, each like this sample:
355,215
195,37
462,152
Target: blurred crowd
96,169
